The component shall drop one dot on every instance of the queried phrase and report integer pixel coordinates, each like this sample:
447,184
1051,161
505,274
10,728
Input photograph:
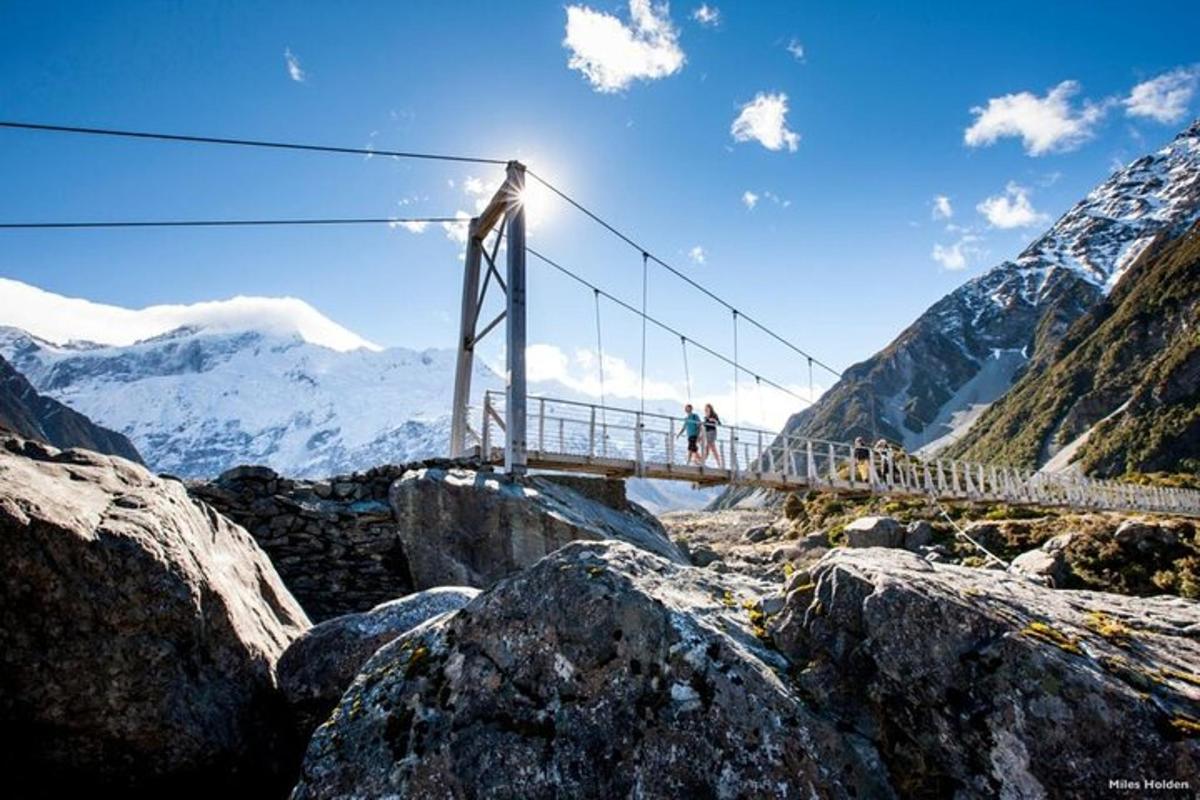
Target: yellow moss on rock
1111,629
1042,631
1186,726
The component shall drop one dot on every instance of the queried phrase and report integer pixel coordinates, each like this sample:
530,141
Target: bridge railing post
542,424
485,444
637,442
592,433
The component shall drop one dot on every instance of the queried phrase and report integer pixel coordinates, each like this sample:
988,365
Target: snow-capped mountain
928,386
73,319
250,380
1103,234
1122,392
196,402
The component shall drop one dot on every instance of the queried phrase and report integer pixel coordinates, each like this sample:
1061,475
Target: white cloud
942,208
707,15
1050,178
776,199
759,404
547,362
62,319
412,226
1045,124
1011,209
697,255
1165,98
457,231
612,55
764,120
295,71
750,199
958,255
796,49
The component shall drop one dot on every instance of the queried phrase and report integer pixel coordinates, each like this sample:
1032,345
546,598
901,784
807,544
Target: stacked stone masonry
335,541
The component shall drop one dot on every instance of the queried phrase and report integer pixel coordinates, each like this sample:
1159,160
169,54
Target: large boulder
602,671
1149,535
316,669
975,683
138,635
917,535
460,527
1048,561
874,532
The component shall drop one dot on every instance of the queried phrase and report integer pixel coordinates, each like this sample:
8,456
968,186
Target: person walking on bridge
691,426
862,455
711,421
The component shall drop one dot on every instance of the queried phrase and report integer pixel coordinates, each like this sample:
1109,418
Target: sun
539,203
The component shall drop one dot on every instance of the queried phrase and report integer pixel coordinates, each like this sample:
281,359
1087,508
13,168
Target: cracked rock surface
977,683
602,671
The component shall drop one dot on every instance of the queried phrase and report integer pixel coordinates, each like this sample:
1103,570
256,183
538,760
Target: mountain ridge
30,414
64,320
1121,393
1021,306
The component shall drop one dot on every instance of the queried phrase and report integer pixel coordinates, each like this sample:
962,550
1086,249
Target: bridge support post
466,344
515,448
505,215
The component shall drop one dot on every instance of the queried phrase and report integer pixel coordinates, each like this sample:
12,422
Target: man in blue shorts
691,426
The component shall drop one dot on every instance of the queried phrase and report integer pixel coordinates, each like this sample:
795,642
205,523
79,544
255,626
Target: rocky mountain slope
1121,392
34,416
927,386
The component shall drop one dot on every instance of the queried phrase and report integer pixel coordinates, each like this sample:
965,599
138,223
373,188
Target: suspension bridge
519,432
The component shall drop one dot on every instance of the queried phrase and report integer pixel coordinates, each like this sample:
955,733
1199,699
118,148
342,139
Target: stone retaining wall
335,542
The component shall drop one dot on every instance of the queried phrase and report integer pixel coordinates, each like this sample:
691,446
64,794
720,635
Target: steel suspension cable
231,223
659,323
737,417
812,397
687,373
600,353
762,404
676,272
176,137
645,277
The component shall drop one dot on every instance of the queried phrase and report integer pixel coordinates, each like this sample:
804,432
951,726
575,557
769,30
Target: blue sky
837,252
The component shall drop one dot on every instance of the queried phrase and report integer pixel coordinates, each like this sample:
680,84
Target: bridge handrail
754,455
647,415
